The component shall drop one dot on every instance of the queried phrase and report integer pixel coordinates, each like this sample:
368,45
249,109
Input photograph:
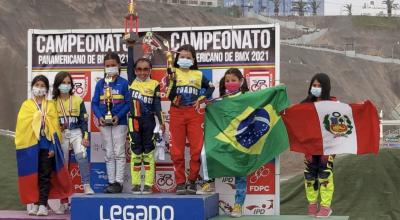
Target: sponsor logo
259,79
261,209
81,85
261,172
137,212
229,181
101,174
165,182
225,207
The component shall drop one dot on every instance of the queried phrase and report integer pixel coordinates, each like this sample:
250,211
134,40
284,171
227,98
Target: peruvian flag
331,127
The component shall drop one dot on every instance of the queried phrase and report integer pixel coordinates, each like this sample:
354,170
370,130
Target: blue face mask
316,91
64,88
185,63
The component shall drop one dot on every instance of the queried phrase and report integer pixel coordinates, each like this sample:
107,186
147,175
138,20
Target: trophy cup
108,99
130,36
170,57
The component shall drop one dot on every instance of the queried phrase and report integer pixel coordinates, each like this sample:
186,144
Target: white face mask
37,91
316,91
112,71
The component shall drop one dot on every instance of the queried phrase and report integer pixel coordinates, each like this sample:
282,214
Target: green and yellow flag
243,132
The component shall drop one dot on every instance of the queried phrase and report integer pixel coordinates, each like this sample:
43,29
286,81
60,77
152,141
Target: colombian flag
26,141
243,132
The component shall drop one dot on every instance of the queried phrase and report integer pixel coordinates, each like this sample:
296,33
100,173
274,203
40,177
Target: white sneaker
62,209
42,211
237,211
32,209
87,189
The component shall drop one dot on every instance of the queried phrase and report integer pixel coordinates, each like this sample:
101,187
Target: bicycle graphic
165,179
259,84
259,173
79,88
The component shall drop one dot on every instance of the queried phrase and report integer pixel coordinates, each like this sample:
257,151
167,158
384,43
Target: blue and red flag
29,123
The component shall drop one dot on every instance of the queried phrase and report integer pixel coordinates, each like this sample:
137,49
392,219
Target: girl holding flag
42,173
186,122
318,173
232,84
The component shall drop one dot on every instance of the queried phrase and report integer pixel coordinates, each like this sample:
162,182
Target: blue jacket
120,99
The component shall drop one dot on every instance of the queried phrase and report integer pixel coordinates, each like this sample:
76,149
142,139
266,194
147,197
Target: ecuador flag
27,136
243,132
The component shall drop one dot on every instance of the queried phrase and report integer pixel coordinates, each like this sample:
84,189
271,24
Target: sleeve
131,69
206,84
96,101
83,120
157,105
125,109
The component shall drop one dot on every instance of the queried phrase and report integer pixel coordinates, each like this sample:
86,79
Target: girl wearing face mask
146,103
185,120
318,174
41,170
232,84
113,135
74,126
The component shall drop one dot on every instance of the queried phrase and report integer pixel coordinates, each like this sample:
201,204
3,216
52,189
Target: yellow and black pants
318,176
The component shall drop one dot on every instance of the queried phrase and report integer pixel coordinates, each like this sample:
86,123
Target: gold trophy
108,99
130,36
170,58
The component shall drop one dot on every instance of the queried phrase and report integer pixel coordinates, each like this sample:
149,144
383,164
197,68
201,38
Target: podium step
280,217
153,206
9,214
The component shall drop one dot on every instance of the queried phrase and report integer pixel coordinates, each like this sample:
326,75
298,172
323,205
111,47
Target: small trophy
108,99
130,36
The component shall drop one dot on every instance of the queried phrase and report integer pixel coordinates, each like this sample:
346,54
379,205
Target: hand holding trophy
108,118
170,59
131,36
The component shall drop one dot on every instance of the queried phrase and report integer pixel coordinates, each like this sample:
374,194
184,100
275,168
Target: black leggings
45,168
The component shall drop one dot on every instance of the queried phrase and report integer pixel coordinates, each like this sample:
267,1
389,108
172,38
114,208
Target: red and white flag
331,127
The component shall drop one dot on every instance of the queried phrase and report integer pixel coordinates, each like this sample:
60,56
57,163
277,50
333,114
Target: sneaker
118,187
42,211
312,209
114,188
136,190
181,189
237,211
147,189
87,189
62,209
206,188
108,188
191,188
324,212
32,209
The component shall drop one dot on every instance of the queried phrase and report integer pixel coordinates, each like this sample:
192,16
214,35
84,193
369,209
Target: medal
66,118
43,114
42,133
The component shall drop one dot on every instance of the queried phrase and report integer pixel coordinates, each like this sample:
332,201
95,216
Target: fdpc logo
131,212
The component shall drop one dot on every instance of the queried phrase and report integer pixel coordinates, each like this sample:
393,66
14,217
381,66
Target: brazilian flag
243,132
